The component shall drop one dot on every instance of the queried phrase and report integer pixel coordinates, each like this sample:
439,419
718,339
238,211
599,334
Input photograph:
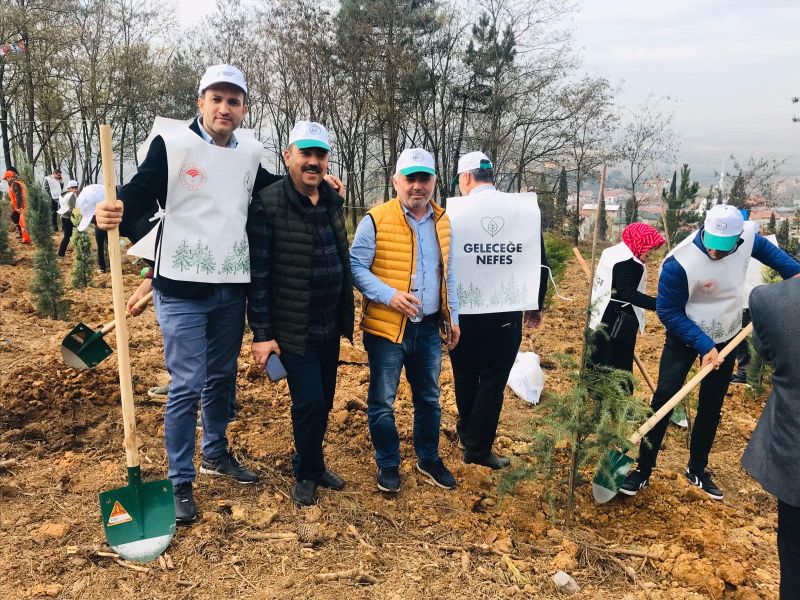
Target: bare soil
63,428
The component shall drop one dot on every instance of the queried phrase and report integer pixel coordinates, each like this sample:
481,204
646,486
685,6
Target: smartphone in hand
275,369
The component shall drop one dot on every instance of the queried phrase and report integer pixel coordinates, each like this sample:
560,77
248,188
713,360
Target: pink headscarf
641,237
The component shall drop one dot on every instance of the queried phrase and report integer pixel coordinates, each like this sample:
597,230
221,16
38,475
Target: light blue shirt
232,143
428,268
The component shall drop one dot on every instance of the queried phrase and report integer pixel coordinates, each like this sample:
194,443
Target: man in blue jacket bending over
700,300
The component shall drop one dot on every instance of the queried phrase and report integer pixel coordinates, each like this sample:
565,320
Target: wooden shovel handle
109,327
690,385
636,358
118,295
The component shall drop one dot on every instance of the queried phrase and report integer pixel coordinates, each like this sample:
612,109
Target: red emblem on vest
709,286
192,177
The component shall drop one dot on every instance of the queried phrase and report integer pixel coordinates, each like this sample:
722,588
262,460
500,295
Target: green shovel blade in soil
610,475
84,348
139,519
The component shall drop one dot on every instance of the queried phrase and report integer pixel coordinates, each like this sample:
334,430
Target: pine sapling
46,285
83,262
6,252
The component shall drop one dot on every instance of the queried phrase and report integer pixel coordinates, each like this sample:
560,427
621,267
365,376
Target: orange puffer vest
395,261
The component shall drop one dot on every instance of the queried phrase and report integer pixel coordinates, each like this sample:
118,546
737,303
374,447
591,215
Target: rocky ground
60,444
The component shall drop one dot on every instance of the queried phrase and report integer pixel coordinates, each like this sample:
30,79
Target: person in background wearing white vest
490,333
619,296
700,301
65,207
201,268
52,187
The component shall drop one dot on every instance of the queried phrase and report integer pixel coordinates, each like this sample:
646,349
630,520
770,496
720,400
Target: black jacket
281,243
625,280
142,196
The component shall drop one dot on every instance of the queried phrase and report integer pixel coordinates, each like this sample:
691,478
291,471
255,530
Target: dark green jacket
281,244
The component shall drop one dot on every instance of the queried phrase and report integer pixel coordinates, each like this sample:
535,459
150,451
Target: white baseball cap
308,134
222,74
87,200
722,227
415,160
472,161
72,183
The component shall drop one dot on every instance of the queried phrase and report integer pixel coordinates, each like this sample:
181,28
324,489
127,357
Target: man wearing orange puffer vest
401,263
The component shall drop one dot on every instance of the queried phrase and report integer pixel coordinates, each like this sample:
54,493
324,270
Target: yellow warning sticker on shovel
118,515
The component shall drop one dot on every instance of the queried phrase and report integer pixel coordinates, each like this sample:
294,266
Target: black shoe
704,482
635,481
304,493
228,465
389,479
492,461
331,481
740,378
437,473
185,509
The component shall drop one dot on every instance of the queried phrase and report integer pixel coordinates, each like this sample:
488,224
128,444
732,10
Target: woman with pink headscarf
619,296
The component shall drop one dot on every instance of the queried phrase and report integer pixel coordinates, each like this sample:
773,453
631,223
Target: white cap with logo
415,160
72,183
87,200
308,134
472,161
222,74
723,226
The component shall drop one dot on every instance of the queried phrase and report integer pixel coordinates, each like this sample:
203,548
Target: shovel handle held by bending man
690,385
109,327
636,358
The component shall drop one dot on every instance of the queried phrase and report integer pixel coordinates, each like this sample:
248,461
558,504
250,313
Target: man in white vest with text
700,300
500,266
199,179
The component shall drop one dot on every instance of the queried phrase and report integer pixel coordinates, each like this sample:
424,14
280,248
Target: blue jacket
673,290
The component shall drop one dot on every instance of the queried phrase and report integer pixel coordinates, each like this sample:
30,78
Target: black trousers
66,226
101,237
676,361
789,549
312,384
54,214
481,363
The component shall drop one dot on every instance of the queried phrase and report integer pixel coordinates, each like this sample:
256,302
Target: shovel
615,465
84,348
139,519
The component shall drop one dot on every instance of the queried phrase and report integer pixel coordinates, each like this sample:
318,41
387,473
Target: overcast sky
731,66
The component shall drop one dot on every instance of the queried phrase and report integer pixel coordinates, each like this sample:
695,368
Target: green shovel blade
611,472
139,519
84,348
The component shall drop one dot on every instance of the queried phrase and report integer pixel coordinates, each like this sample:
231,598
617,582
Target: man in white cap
66,205
198,180
501,270
700,300
52,185
300,300
401,259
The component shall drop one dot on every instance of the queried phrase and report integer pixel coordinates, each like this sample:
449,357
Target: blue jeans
202,340
421,354
312,384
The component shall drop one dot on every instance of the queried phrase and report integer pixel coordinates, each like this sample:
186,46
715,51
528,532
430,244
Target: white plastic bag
526,378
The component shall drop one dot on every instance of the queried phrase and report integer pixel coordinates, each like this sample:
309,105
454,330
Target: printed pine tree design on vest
508,293
715,330
204,258
470,297
183,257
237,259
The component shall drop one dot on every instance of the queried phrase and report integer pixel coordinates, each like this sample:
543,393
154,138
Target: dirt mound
61,434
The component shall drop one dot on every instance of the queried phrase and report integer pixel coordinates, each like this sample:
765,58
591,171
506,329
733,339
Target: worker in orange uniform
19,205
